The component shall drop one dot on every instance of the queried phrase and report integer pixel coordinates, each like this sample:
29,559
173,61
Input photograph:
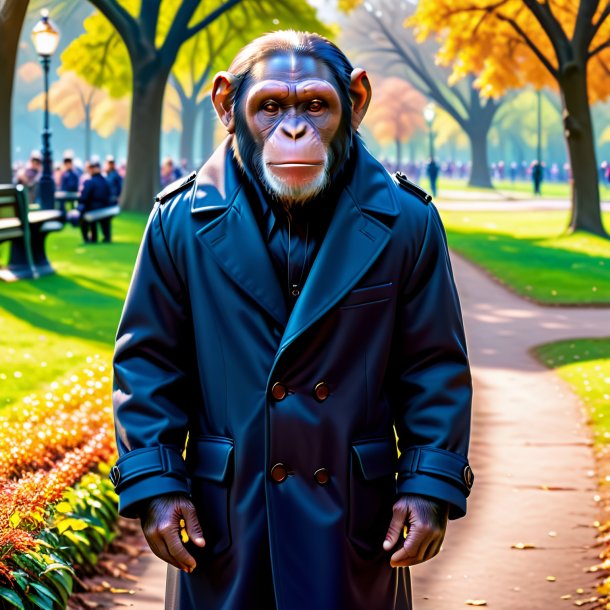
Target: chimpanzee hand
426,521
161,527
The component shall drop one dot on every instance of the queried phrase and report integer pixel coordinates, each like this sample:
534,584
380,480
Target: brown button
322,476
279,473
321,391
278,391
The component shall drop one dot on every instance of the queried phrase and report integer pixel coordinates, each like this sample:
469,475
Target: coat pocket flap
376,457
368,294
209,457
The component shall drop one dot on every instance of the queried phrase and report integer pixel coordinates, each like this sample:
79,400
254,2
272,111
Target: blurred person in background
113,177
96,194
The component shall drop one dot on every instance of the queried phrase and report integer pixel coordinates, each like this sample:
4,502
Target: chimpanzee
291,380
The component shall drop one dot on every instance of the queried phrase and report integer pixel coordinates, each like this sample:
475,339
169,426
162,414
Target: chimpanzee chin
294,103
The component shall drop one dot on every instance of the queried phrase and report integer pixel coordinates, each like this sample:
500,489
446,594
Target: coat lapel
234,238
353,242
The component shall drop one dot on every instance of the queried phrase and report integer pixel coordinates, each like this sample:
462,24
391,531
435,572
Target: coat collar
219,180
353,241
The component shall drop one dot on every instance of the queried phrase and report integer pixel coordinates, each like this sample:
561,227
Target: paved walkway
532,460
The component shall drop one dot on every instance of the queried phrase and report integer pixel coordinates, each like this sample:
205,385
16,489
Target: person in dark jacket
95,195
113,178
69,177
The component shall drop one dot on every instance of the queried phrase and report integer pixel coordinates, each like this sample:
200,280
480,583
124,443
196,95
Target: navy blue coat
205,336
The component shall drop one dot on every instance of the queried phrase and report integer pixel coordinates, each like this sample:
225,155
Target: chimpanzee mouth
296,164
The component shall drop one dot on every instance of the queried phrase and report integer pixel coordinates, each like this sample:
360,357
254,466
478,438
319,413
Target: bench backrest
13,202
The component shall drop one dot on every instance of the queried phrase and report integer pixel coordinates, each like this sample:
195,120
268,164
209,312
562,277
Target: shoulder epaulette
412,188
175,187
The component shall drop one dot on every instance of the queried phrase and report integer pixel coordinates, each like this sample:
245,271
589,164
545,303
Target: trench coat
293,434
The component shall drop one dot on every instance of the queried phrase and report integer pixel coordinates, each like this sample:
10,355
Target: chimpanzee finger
177,550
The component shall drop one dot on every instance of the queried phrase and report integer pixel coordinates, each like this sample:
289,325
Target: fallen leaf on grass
475,602
522,546
566,596
551,578
116,590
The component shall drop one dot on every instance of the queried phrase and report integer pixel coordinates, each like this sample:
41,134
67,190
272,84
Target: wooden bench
27,231
14,228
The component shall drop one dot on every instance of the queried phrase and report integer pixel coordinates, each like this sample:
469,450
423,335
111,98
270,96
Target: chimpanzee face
292,126
292,111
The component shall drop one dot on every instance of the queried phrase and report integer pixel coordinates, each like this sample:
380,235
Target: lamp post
45,37
429,116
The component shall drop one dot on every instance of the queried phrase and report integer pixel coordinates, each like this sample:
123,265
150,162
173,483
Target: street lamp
429,116
45,37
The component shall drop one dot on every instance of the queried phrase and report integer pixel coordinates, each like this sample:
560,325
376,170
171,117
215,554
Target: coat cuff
143,474
437,473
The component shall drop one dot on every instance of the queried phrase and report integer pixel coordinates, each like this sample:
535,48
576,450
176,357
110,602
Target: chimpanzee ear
223,91
360,92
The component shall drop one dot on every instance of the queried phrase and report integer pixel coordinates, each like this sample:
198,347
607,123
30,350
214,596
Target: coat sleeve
153,385
433,382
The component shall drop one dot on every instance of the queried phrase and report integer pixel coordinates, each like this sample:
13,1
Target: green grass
529,252
49,326
525,190
585,365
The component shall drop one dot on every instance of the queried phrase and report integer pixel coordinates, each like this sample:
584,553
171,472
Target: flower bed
57,506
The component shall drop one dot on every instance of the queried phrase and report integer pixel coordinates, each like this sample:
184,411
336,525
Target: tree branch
599,48
149,18
605,14
530,43
552,27
584,30
123,22
225,6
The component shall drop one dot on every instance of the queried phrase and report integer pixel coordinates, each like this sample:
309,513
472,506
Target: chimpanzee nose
294,129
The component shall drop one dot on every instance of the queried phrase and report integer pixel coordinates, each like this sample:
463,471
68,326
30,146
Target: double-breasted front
289,421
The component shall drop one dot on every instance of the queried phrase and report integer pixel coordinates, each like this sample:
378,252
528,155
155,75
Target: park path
533,463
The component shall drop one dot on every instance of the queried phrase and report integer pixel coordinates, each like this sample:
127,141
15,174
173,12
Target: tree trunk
479,172
398,154
190,111
578,128
12,16
208,120
142,178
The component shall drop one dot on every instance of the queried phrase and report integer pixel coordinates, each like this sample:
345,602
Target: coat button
278,391
322,476
321,391
279,473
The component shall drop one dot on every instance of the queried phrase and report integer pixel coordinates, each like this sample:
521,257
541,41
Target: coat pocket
211,464
372,493
367,295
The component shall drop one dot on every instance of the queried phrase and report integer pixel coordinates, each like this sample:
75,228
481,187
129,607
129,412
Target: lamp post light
45,37
429,116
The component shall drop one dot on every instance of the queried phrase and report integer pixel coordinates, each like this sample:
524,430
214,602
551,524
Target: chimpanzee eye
316,106
270,107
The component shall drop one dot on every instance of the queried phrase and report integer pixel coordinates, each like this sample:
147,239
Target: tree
12,16
377,30
396,114
560,43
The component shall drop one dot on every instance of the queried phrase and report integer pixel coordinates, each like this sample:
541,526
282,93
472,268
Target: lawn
524,189
585,365
49,326
530,253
